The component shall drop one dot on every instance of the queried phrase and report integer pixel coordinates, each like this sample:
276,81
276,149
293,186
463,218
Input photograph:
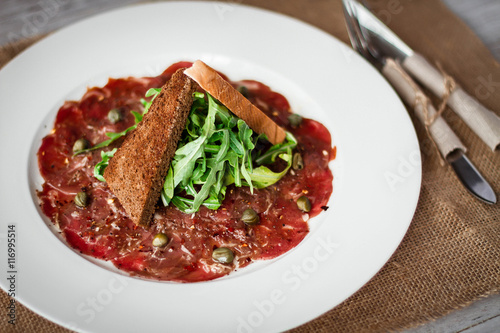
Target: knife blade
485,123
449,145
471,177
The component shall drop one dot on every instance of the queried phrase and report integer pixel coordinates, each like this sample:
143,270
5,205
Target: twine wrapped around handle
443,137
485,123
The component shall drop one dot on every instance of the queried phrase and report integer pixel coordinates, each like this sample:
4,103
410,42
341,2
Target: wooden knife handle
444,137
484,122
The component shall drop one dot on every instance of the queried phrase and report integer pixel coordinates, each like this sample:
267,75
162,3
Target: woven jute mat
450,255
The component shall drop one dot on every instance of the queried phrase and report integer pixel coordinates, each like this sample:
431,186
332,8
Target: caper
82,199
250,217
243,90
295,120
304,204
160,240
114,116
223,255
80,144
297,162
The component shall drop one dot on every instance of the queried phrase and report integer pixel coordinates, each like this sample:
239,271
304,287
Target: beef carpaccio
102,229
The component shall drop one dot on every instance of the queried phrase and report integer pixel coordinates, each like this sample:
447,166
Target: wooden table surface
21,19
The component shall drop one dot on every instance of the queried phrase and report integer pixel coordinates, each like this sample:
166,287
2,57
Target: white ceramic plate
377,170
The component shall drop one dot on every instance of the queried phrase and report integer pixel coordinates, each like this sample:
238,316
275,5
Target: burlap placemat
451,253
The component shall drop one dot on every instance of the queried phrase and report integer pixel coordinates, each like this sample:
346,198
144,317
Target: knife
449,145
485,123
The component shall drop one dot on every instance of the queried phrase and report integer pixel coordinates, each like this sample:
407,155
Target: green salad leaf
99,167
217,149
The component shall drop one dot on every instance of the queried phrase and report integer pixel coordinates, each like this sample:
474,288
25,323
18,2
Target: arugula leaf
270,156
99,167
215,151
151,92
245,136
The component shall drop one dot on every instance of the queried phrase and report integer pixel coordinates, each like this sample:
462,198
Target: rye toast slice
137,171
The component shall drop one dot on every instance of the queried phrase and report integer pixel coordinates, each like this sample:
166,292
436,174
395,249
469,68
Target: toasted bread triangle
138,169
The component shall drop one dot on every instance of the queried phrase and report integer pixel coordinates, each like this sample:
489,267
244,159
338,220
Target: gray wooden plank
483,16
26,18
490,326
478,317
